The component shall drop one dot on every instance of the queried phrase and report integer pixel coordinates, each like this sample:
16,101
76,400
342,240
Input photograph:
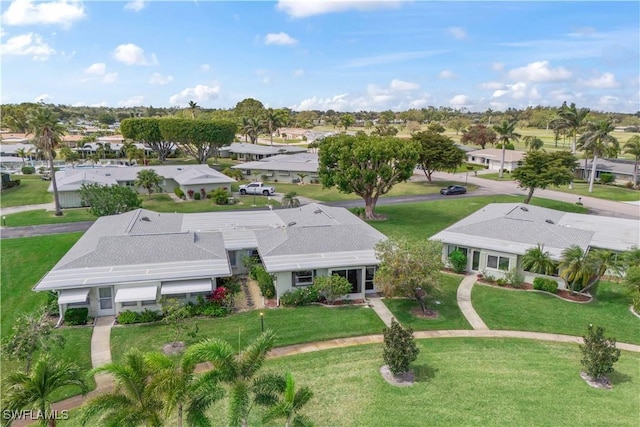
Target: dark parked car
453,189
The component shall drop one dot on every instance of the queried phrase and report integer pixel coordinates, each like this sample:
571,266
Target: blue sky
340,55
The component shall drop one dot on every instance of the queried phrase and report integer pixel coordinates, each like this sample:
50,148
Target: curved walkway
464,302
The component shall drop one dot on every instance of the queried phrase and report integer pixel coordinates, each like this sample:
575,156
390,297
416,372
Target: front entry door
475,261
106,306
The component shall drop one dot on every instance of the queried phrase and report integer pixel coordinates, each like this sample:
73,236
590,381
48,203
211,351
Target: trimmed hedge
300,296
128,317
543,284
76,316
265,281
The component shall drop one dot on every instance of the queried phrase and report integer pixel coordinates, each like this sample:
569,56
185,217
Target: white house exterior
496,237
250,152
187,177
129,261
491,158
622,170
284,167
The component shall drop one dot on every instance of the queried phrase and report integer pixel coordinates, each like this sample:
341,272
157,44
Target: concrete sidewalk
381,309
15,209
101,349
464,302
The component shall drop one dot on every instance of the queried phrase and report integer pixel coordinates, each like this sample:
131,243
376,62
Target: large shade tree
47,132
632,147
35,390
147,131
438,153
201,139
368,166
597,140
539,169
479,134
506,135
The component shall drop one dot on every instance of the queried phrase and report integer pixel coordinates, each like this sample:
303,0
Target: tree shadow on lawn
617,377
423,372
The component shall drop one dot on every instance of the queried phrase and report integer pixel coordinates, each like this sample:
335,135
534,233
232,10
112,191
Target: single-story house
495,238
187,177
130,261
250,152
491,158
622,170
284,167
9,149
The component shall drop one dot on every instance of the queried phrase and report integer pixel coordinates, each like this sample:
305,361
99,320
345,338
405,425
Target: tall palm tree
533,143
23,153
149,180
571,119
537,260
193,106
271,122
602,261
597,140
239,372
44,126
506,133
576,267
133,402
290,404
182,391
252,127
633,147
33,390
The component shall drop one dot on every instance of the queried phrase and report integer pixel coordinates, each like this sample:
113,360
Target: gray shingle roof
244,148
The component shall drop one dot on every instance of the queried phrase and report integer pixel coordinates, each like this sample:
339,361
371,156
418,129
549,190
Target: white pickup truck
257,188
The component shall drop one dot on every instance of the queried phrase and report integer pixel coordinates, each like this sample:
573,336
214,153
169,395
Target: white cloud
402,85
135,101
279,39
304,9
43,98
605,81
492,85
457,33
517,91
99,68
110,77
539,71
102,104
29,44
447,74
58,12
131,54
298,73
205,68
136,5
198,93
497,66
460,101
159,79
498,93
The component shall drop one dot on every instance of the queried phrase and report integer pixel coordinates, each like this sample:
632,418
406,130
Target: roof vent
524,209
179,169
317,211
107,174
292,223
145,218
548,221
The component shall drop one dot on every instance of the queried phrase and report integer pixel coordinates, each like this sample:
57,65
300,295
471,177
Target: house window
453,248
176,296
153,302
368,277
129,183
498,262
77,304
284,173
353,276
246,172
130,304
197,294
303,278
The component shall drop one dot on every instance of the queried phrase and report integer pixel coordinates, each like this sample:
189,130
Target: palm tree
193,106
302,177
133,402
291,402
252,127
633,147
149,180
33,390
597,140
290,200
537,260
506,133
572,120
43,124
239,372
23,153
533,143
576,267
271,122
602,261
180,390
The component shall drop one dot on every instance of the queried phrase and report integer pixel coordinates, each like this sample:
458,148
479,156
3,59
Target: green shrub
501,281
606,178
400,348
28,170
220,196
148,316
544,284
599,353
127,317
154,162
332,288
214,311
515,278
458,261
232,284
300,296
629,185
359,212
178,192
76,316
265,281
197,196
52,303
636,304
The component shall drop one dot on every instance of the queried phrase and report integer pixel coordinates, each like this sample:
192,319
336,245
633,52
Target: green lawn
450,316
460,382
31,191
292,325
316,192
532,311
164,203
423,220
48,217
